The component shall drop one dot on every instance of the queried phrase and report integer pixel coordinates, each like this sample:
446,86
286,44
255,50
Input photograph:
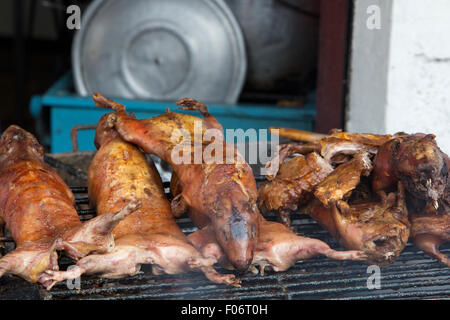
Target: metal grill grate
413,275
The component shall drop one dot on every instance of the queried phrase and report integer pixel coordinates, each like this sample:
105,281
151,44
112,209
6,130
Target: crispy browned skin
343,179
423,169
294,185
417,161
37,207
414,160
120,172
27,182
278,248
224,194
379,228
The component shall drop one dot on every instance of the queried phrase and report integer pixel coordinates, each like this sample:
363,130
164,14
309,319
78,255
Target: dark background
34,51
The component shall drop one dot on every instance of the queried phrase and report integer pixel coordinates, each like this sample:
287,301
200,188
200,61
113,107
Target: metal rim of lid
90,12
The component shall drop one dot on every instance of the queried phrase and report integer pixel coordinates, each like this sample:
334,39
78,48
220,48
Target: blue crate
68,110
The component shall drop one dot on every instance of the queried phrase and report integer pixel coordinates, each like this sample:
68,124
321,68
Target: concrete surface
400,73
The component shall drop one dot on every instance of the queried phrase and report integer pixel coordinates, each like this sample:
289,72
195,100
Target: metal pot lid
160,49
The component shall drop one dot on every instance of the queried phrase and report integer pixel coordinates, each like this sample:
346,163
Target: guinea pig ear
430,137
110,120
132,115
38,148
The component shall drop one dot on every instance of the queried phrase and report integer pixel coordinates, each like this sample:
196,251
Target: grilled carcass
380,228
430,227
278,248
219,188
37,207
417,161
414,159
120,172
343,179
419,164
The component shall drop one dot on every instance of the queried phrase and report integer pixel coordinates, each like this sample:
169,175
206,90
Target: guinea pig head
105,130
235,222
16,142
422,167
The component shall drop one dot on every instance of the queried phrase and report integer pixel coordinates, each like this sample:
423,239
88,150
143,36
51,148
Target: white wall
400,74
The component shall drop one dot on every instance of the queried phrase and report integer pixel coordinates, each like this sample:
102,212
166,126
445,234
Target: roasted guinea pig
380,228
278,248
221,190
422,168
38,209
120,172
417,161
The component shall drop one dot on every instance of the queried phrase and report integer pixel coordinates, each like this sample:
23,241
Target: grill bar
313,282
413,276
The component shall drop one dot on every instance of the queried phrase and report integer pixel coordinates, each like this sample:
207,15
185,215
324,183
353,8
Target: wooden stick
296,134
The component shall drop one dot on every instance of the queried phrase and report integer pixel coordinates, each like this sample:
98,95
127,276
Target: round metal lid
160,49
